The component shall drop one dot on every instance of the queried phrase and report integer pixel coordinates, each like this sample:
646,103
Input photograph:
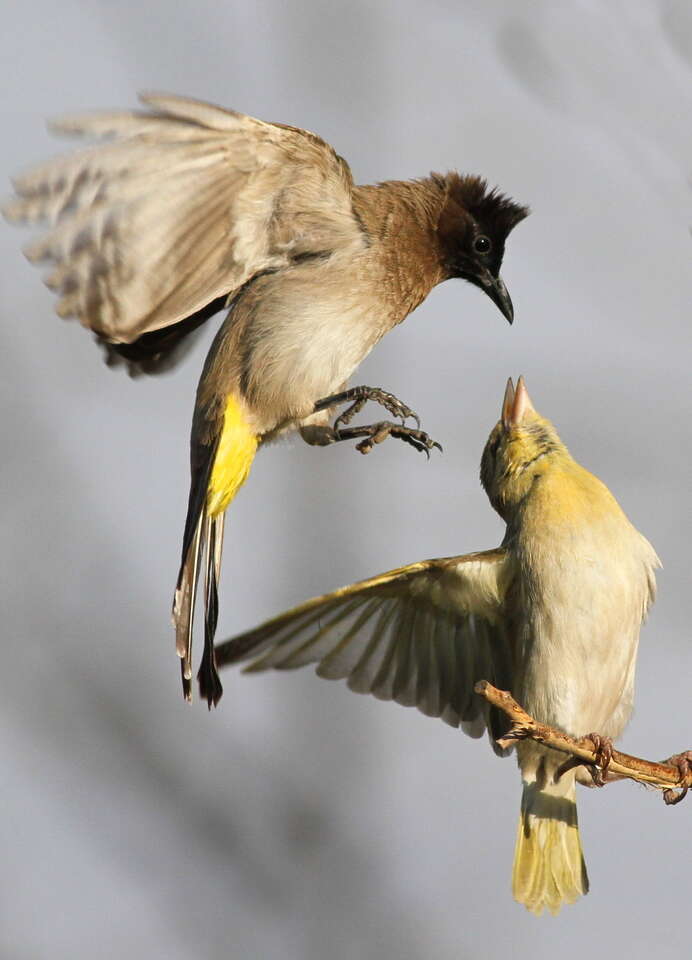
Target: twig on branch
663,776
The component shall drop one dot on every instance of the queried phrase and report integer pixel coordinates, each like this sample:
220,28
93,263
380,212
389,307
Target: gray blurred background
301,821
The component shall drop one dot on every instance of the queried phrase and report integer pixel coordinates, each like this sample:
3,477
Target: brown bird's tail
549,868
220,466
204,550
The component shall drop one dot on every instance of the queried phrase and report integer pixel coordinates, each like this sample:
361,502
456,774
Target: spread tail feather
184,606
210,687
549,868
205,548
219,469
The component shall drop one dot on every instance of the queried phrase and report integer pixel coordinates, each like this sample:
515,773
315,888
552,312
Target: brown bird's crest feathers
491,208
470,208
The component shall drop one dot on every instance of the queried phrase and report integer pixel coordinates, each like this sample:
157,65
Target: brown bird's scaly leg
682,761
372,433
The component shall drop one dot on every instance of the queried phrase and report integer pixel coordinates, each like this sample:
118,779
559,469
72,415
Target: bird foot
210,687
358,397
682,761
603,748
377,432
371,433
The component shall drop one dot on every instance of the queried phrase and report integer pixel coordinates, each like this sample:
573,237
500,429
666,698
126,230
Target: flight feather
181,203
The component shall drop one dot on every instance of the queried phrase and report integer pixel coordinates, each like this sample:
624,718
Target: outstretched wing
182,205
421,635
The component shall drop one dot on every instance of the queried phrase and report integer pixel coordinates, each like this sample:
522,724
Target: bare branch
664,776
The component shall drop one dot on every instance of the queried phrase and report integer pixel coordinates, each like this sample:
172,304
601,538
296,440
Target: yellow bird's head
521,448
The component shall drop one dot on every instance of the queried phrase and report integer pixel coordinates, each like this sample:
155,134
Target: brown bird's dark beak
498,293
494,287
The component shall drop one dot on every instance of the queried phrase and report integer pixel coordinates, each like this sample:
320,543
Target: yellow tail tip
549,869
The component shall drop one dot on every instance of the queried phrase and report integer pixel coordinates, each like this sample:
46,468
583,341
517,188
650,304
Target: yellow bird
553,614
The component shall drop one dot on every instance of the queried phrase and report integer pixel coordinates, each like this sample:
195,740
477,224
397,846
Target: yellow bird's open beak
516,403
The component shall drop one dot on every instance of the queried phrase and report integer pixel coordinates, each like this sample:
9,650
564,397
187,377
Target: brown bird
189,208
553,614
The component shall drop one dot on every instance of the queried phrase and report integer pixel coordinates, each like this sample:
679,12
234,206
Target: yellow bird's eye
482,245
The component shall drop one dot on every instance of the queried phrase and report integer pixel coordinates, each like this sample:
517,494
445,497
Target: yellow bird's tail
220,466
549,868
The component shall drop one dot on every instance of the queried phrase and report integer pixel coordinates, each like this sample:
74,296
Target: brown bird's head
522,447
474,224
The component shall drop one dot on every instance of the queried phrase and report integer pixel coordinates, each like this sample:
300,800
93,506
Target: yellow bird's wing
181,205
421,635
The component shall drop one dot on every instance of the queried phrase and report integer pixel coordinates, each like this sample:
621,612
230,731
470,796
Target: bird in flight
553,615
186,209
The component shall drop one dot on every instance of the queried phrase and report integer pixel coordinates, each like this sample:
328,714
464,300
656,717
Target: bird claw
391,404
378,432
682,761
360,396
603,748
375,432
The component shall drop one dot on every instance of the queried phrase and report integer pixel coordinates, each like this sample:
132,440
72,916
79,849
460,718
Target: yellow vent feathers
234,456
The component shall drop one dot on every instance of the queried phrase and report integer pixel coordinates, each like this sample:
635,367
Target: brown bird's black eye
482,245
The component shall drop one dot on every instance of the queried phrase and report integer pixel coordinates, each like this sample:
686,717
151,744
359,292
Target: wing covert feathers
182,203
420,635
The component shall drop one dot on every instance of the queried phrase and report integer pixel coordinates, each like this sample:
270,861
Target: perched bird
553,614
189,208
